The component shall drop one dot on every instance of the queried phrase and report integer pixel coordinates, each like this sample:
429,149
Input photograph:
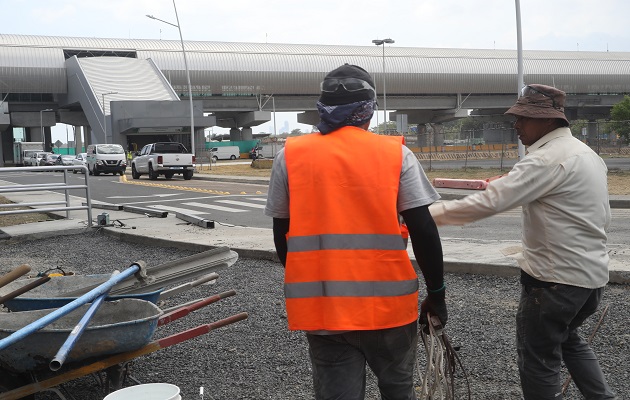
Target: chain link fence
500,141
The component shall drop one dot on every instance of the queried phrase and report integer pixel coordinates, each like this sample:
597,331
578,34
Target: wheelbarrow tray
51,293
118,326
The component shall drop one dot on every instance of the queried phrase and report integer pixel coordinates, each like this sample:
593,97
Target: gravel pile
260,359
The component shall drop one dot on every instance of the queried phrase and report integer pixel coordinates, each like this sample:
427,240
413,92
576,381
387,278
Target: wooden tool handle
14,274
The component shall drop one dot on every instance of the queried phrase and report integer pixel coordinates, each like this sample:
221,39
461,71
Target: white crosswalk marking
214,207
241,203
259,199
176,209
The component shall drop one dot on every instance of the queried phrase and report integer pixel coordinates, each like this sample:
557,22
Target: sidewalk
494,257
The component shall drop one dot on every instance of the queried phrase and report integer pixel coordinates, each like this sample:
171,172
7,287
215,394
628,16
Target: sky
563,25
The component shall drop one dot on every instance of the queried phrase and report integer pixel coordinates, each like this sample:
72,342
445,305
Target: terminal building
133,91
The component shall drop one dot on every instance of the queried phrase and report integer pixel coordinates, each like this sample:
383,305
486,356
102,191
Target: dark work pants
339,363
546,333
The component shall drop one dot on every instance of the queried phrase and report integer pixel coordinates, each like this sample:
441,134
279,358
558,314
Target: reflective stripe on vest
349,289
344,241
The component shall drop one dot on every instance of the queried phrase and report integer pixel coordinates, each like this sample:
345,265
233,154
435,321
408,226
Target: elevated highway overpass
129,89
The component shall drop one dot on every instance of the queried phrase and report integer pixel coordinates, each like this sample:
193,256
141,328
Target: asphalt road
242,204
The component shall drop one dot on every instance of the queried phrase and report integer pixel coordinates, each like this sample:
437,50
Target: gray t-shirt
414,190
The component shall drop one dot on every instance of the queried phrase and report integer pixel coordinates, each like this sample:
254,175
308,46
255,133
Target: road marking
259,199
214,207
176,209
138,197
241,203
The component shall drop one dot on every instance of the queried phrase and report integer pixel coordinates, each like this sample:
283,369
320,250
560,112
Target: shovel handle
14,274
24,289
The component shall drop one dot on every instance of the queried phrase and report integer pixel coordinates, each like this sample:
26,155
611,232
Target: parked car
34,160
65,160
80,159
48,160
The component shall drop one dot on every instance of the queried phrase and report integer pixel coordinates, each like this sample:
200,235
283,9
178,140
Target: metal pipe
60,312
519,52
57,362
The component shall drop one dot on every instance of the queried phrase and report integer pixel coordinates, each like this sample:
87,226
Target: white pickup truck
163,158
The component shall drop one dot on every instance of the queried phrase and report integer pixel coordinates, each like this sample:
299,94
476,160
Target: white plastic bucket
147,391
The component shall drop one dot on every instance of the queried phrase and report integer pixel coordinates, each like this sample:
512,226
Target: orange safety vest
347,267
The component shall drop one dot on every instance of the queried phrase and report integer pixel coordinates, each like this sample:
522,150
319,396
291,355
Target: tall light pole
192,117
381,42
105,116
41,126
521,81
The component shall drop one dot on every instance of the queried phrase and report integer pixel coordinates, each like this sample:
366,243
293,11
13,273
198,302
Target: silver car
80,159
34,160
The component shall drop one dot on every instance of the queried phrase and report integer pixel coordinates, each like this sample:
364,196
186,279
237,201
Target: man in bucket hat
561,185
349,282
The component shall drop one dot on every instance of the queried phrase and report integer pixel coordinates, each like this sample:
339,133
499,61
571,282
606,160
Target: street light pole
41,127
181,38
521,81
381,42
105,115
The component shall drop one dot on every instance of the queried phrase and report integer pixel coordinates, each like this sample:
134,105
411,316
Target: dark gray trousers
546,333
339,363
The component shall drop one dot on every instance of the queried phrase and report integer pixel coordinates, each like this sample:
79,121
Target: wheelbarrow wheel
10,381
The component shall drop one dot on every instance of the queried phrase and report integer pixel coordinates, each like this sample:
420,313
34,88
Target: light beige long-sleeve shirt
562,186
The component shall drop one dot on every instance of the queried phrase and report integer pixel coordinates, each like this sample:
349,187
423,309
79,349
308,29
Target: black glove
435,304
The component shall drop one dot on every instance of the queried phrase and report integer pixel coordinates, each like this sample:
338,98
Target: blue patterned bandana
335,117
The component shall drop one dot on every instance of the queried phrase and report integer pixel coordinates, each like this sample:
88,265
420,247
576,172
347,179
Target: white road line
176,209
214,207
258,199
241,203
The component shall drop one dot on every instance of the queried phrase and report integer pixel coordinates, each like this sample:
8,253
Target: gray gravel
260,359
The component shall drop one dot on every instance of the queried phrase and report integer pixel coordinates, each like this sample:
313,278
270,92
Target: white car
80,159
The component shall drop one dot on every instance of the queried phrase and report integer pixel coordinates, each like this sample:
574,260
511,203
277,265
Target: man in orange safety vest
349,282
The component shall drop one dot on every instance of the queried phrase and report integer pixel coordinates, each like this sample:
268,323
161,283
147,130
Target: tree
620,115
296,132
381,128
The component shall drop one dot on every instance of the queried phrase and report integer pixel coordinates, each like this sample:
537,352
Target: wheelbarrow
27,360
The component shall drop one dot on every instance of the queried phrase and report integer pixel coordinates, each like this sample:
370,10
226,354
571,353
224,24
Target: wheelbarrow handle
186,309
118,358
14,274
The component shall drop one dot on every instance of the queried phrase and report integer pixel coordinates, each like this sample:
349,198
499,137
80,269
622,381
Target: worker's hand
435,304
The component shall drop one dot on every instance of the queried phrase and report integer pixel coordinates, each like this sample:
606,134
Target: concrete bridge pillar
88,136
78,140
247,134
235,134
592,131
423,138
438,134
200,140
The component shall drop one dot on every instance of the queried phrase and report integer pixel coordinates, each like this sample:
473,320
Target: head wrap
336,116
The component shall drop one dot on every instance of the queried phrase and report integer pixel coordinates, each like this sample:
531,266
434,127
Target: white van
225,153
106,158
